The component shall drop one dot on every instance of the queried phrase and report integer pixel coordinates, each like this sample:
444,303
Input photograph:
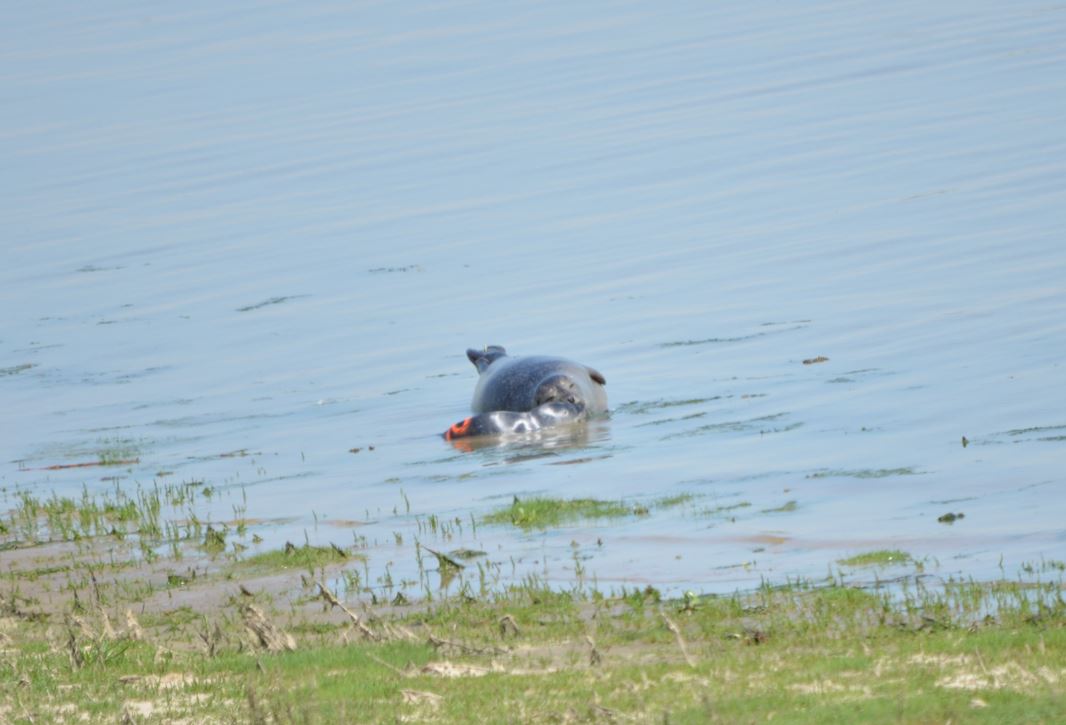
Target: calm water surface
238,243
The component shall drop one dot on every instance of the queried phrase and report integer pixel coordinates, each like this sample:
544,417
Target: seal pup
518,395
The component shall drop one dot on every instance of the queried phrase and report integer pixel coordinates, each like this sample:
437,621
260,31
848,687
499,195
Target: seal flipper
505,421
483,358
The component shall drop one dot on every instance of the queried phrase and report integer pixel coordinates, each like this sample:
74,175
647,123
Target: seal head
524,394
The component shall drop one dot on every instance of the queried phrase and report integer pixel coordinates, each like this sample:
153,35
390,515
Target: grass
680,499
153,515
801,653
541,513
93,632
295,557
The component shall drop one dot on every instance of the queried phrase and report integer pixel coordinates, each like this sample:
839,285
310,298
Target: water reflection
541,443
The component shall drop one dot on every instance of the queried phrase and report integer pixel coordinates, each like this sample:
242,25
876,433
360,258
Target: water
238,243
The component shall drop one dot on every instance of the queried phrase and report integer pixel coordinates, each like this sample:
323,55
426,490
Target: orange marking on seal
459,428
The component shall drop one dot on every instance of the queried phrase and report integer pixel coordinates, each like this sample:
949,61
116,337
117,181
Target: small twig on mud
332,599
680,640
258,715
416,697
438,642
106,630
507,624
76,657
397,631
25,713
133,627
606,712
385,664
443,560
211,639
73,620
96,587
981,661
270,637
595,657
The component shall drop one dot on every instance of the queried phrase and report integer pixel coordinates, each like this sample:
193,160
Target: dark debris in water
738,426
1034,429
711,340
443,560
89,464
639,407
271,301
239,453
663,421
393,270
16,369
574,461
851,376
950,518
816,360
865,473
735,338
93,268
725,508
1022,435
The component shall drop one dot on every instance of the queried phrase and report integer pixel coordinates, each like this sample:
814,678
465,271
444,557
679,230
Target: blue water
275,228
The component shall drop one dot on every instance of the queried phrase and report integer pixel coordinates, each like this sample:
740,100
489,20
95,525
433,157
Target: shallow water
239,243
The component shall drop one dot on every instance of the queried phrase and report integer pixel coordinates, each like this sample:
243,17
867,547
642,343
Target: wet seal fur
518,395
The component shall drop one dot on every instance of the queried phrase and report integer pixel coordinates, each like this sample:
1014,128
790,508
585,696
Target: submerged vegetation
545,512
118,452
786,507
883,557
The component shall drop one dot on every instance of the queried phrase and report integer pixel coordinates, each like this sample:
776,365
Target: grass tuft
296,557
680,499
542,513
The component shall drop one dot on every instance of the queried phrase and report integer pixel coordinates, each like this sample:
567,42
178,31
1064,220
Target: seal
517,395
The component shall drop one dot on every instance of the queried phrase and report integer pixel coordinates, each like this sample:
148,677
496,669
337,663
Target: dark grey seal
516,395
